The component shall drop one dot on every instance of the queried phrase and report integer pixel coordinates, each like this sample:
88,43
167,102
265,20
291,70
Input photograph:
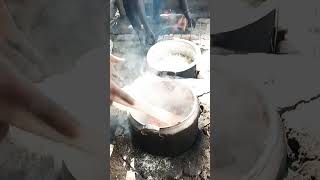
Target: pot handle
171,73
167,73
150,129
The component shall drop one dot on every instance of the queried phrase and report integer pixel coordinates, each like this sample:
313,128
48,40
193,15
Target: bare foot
191,23
150,39
141,36
123,26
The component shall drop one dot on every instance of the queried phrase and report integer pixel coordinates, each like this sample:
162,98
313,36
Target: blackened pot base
168,141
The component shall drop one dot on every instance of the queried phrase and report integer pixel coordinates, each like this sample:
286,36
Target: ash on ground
126,159
192,164
303,156
303,142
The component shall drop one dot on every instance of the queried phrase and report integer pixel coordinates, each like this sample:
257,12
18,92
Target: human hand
114,59
184,23
20,98
116,93
18,49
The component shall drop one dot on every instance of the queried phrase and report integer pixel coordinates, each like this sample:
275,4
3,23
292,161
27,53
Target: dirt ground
193,164
303,143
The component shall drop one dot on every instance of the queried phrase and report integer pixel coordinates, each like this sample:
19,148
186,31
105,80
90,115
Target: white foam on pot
165,93
173,55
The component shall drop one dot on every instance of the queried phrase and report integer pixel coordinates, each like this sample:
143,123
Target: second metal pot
168,47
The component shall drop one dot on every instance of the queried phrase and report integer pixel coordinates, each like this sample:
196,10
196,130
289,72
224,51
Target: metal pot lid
230,15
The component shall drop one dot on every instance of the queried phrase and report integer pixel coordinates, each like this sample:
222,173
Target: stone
192,171
205,99
119,131
131,175
311,170
111,149
204,20
305,117
292,175
203,66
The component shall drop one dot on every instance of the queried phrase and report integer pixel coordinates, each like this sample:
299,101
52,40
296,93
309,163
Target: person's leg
185,8
131,12
156,10
143,19
121,9
113,9
123,23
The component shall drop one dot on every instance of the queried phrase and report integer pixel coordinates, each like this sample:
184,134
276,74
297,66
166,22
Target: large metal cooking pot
169,140
162,50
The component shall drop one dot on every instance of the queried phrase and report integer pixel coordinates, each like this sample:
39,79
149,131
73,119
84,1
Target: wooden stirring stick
160,114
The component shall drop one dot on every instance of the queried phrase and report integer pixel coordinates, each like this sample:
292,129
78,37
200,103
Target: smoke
126,72
162,92
144,86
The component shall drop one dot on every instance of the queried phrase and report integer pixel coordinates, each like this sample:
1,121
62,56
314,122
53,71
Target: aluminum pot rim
194,110
155,46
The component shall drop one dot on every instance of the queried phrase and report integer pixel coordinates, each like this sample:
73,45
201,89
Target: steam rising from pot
162,93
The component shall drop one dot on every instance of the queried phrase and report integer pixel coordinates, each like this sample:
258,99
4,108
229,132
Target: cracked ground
291,84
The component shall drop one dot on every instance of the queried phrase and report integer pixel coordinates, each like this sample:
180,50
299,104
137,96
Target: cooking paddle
157,113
